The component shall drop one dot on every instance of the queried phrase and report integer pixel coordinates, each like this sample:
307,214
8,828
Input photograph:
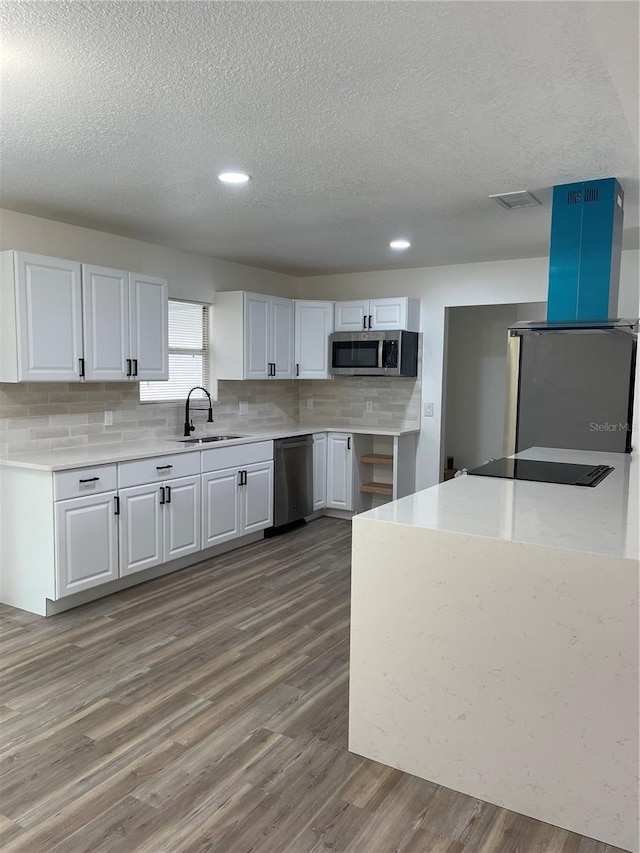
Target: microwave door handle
380,353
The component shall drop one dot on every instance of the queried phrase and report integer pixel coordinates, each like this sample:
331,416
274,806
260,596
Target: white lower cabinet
237,491
340,471
220,507
256,498
236,501
159,522
319,470
86,542
140,528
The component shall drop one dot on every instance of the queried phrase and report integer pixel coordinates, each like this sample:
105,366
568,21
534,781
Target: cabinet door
140,528
256,336
313,325
256,497
339,471
49,309
388,313
105,311
351,316
281,329
319,470
149,326
220,507
86,536
181,517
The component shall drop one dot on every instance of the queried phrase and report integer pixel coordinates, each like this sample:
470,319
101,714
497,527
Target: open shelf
377,459
377,489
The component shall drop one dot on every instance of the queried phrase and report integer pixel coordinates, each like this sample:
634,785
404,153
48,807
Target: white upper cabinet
40,319
313,325
63,321
252,336
256,336
149,325
351,316
281,331
396,313
105,311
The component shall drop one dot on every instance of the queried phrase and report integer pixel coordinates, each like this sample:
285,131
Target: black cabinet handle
349,443
370,316
135,366
116,505
162,498
128,367
163,467
168,491
297,370
239,478
364,322
244,478
90,480
81,367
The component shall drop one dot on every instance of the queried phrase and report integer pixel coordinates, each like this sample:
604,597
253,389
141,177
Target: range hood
585,251
570,379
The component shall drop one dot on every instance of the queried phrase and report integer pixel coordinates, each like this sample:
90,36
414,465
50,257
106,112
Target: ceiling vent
518,199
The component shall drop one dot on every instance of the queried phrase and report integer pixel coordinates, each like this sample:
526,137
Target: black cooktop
566,473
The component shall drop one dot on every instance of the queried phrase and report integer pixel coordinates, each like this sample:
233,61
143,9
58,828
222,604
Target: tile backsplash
45,416
341,402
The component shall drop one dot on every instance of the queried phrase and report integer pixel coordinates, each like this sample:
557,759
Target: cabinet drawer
219,458
83,481
158,468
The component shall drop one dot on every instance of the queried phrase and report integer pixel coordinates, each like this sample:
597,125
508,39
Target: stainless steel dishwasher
293,480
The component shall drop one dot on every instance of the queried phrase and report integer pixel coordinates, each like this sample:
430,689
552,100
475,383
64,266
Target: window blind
188,354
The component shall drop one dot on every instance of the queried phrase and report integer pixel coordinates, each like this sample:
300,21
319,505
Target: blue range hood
585,251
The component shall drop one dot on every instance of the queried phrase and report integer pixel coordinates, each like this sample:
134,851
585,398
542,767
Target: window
188,354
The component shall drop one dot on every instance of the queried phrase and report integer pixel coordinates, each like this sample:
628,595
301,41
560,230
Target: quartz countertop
600,520
102,454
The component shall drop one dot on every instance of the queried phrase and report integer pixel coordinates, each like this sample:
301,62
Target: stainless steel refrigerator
570,385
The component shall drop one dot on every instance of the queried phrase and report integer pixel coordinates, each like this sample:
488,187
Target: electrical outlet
108,418
428,410
369,406
243,407
310,403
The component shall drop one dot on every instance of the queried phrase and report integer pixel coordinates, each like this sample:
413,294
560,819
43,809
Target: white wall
498,282
190,276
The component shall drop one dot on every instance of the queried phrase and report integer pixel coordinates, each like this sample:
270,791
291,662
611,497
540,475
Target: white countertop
102,454
600,520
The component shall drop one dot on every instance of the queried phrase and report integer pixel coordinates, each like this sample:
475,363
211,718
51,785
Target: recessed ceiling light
233,177
399,245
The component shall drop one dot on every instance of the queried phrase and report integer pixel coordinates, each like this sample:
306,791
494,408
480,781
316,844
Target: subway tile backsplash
45,416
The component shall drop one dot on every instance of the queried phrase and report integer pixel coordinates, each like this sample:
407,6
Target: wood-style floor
207,711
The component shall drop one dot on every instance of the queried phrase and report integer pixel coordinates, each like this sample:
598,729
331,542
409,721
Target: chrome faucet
188,423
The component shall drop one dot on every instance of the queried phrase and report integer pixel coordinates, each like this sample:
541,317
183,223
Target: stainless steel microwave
374,353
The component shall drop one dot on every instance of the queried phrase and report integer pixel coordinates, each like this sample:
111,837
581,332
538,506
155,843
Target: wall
476,378
438,288
190,276
40,416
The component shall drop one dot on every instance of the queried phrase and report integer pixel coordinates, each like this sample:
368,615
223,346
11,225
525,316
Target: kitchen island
494,643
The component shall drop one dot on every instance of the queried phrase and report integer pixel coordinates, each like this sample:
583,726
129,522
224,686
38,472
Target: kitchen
72,417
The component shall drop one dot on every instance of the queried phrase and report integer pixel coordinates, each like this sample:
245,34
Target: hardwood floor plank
206,712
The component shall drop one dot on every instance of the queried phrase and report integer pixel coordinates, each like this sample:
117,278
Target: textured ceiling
359,122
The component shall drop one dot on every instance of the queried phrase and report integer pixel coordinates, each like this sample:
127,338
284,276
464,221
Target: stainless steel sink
206,439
